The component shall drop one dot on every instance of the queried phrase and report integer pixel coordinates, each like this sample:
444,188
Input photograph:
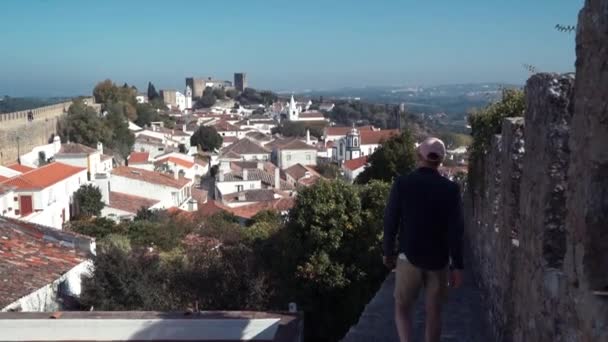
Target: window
288,157
251,186
308,157
239,188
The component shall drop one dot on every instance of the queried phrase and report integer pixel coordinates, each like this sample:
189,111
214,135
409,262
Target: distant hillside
451,102
13,104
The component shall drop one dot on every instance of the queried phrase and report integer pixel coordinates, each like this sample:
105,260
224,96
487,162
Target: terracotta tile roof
212,207
245,146
43,177
129,203
248,211
355,164
225,126
376,137
343,130
32,256
74,148
150,177
2,179
175,160
20,168
139,158
229,139
297,171
290,144
259,136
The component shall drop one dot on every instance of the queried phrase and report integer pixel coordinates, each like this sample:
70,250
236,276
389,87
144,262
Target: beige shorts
409,279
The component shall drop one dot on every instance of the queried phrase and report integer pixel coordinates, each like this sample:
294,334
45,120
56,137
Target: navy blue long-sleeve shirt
425,210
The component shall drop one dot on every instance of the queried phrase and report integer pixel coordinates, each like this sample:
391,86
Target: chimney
277,178
308,136
245,174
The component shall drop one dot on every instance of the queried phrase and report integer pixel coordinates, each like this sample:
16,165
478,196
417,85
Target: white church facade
296,111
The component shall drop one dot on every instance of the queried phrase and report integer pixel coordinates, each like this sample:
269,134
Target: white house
45,195
83,156
289,152
181,165
43,266
7,201
232,178
170,192
48,151
353,167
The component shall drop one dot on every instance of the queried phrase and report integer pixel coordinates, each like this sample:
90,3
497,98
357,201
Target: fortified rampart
537,203
23,130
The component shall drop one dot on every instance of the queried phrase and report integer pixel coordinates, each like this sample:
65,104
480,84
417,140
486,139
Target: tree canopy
83,125
89,200
207,138
395,157
152,93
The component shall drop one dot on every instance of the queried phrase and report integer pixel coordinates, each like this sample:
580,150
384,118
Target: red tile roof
139,157
343,130
376,137
248,211
225,126
245,146
290,144
20,168
150,177
229,140
177,161
43,177
355,164
32,256
129,203
2,178
212,207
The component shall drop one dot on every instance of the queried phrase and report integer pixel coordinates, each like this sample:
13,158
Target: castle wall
537,203
20,132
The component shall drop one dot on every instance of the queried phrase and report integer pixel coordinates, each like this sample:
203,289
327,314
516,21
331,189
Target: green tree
231,93
82,125
488,121
146,114
219,93
98,228
329,170
206,101
206,138
395,157
327,258
89,201
152,93
121,139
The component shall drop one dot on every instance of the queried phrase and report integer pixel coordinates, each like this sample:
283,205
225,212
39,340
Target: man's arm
391,220
456,229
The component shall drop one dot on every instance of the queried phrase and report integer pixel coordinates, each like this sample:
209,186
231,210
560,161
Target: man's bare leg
403,320
433,317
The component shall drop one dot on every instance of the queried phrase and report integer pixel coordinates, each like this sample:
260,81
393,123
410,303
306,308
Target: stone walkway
463,316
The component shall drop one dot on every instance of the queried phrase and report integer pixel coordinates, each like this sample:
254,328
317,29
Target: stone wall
538,206
21,131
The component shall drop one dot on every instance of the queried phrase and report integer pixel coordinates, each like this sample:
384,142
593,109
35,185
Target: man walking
424,209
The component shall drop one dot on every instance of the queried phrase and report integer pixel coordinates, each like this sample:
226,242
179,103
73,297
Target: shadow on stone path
463,316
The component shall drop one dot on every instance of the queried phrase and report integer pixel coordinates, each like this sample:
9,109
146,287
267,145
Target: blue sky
63,47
